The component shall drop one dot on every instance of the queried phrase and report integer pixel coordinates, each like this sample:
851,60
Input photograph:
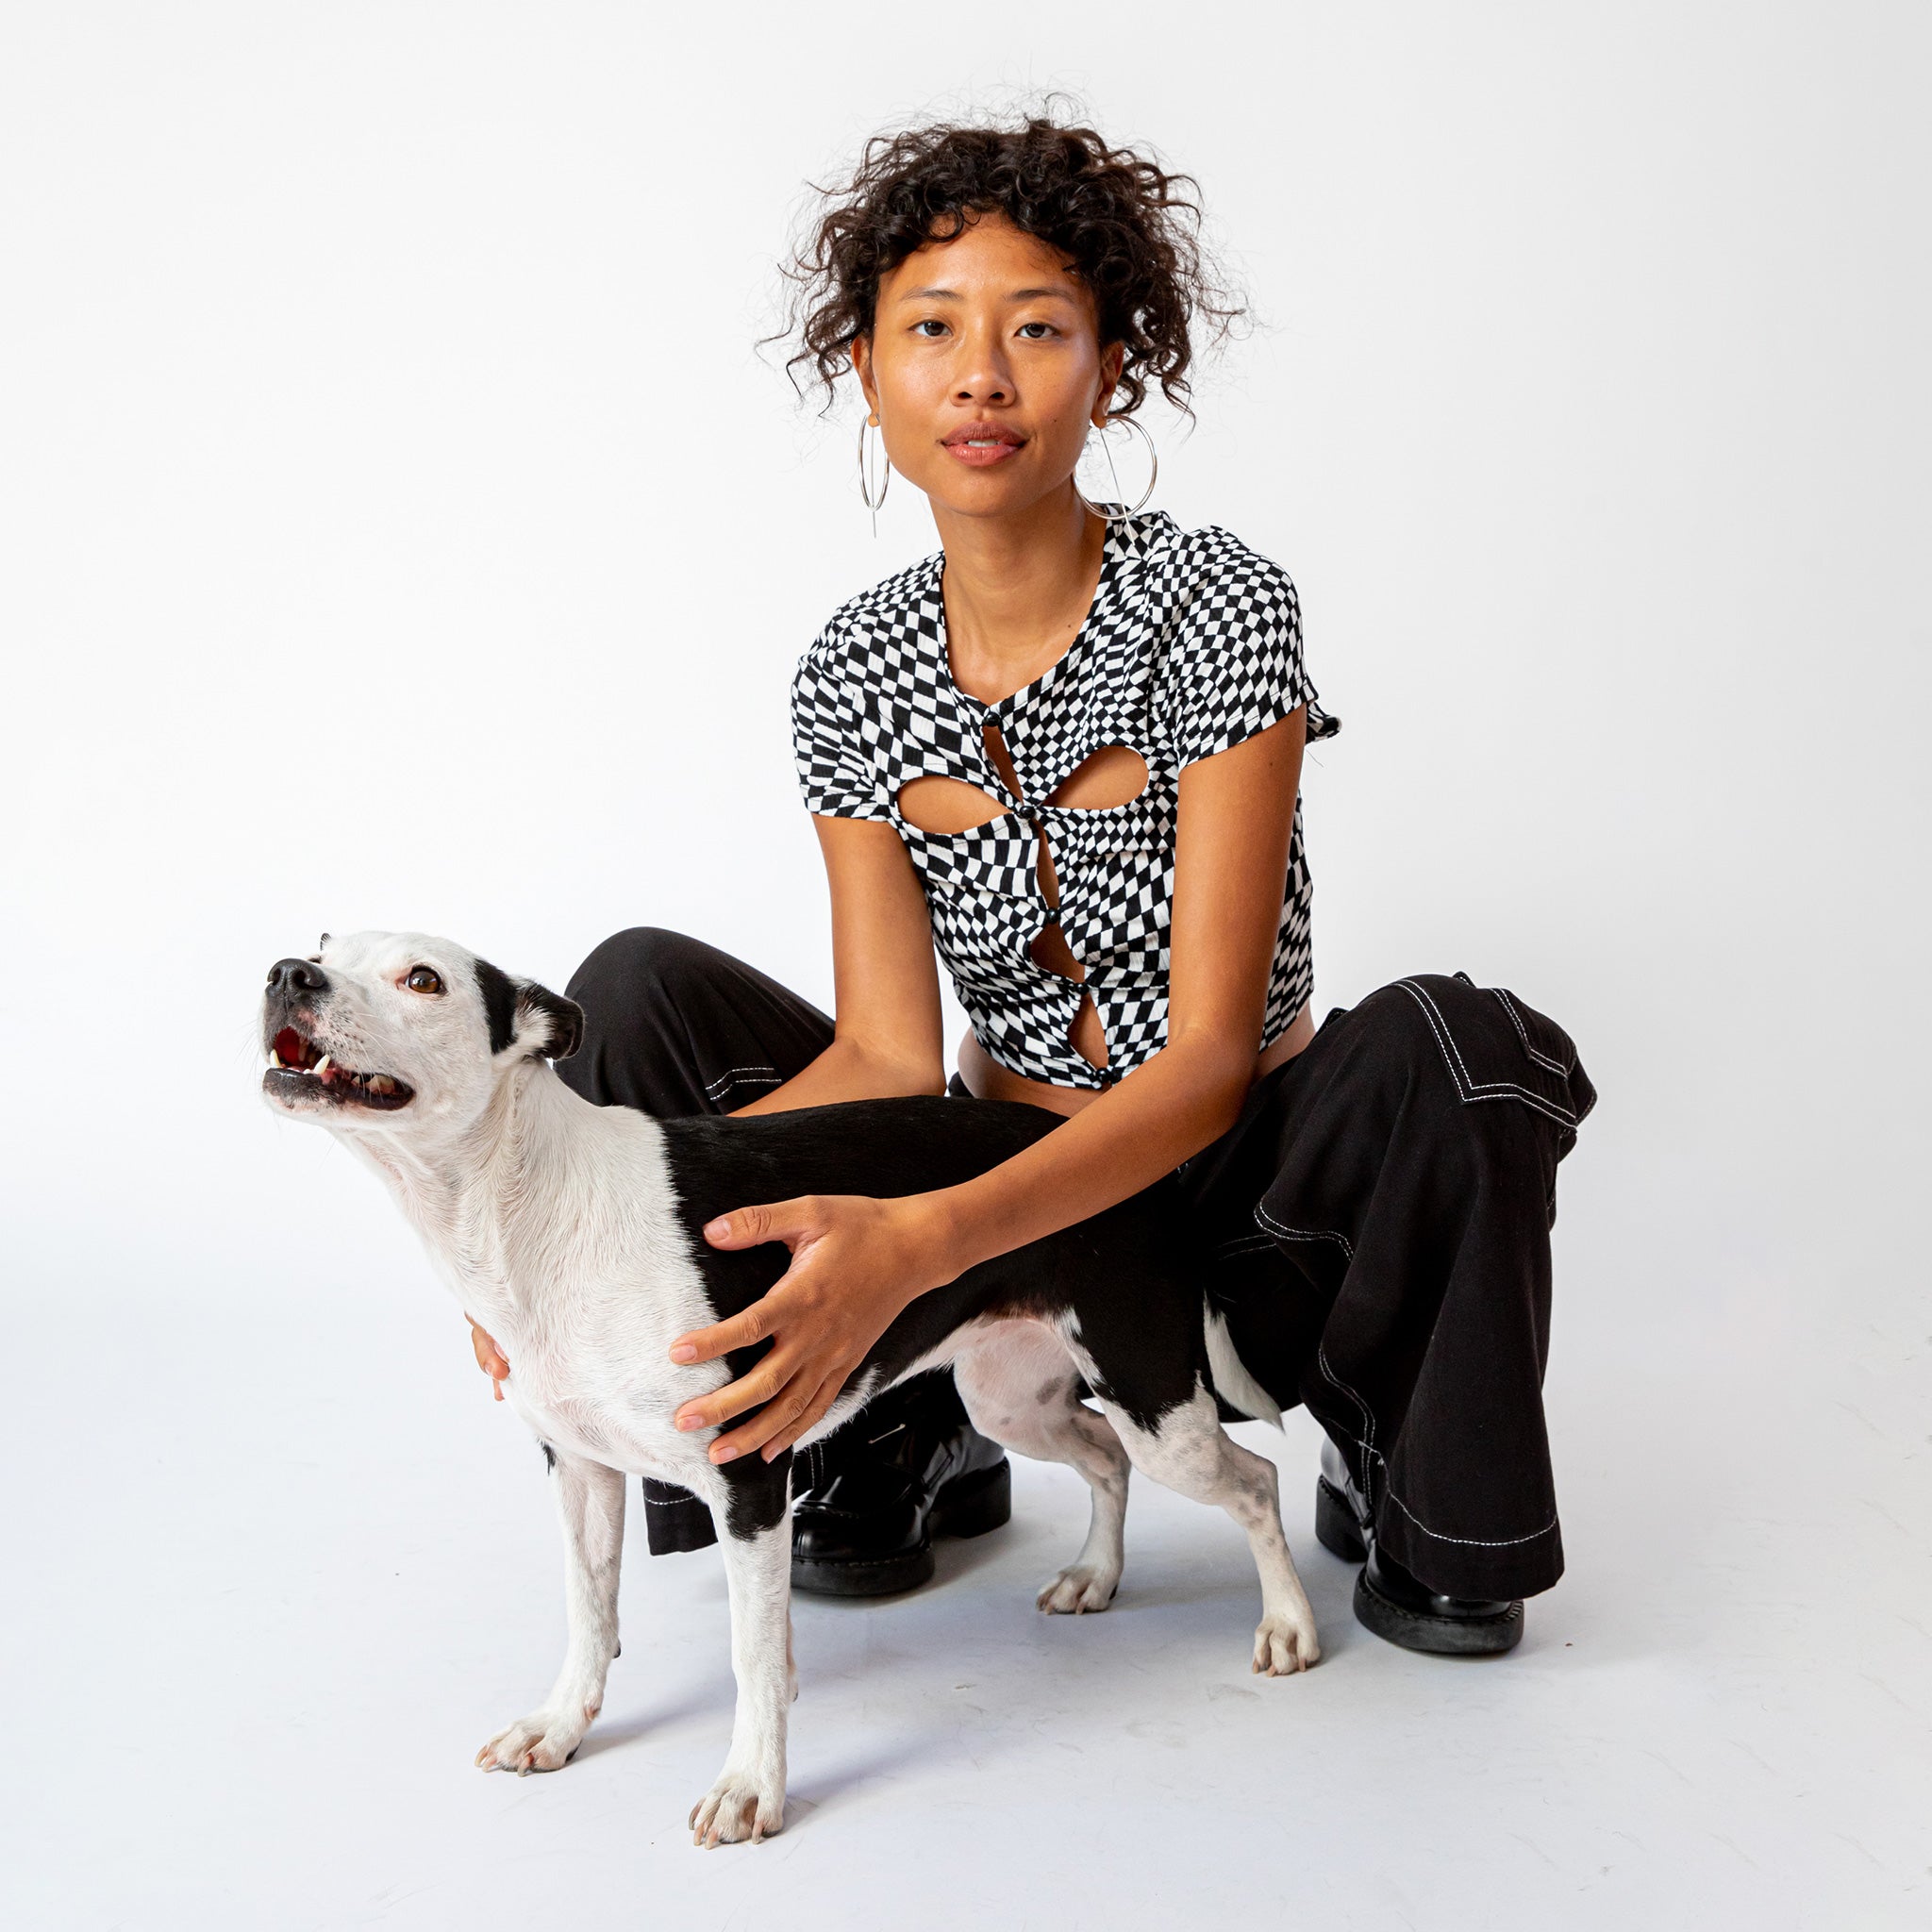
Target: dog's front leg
589,1501
748,1800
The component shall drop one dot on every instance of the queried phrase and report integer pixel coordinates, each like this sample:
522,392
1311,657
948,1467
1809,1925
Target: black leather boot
1392,1600
871,1497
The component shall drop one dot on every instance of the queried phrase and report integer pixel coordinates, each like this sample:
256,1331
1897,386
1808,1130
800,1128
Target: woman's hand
488,1356
856,1263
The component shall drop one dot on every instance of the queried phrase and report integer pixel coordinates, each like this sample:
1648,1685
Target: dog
572,1232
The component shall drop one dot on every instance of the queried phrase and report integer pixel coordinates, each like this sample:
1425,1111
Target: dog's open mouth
297,1064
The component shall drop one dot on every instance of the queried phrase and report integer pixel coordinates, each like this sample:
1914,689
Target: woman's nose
983,376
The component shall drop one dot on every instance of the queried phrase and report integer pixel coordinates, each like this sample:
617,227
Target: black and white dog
572,1232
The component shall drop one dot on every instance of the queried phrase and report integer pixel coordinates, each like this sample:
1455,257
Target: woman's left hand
856,1263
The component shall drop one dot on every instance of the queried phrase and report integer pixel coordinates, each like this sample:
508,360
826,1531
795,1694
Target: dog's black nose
292,977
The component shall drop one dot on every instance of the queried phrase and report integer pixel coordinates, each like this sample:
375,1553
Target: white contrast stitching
1368,1447
1476,1543
1300,1234
1469,1089
724,1080
1542,1060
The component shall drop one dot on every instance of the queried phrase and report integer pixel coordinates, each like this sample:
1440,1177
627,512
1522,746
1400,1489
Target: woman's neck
1017,589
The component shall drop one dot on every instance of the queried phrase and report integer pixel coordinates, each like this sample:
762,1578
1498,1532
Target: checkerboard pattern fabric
1192,644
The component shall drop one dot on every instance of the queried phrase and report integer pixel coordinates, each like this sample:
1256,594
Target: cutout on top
947,804
1050,949
1001,757
951,804
1088,1037
1114,775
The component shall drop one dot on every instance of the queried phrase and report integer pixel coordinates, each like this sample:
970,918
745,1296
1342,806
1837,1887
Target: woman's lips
981,455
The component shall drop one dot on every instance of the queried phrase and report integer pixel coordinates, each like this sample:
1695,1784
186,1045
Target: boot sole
1339,1532
1437,1635
968,1506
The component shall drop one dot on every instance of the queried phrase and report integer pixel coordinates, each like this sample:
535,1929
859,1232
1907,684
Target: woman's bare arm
857,1263
886,982
1237,814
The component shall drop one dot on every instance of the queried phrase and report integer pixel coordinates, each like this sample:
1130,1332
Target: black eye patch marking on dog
503,995
499,1004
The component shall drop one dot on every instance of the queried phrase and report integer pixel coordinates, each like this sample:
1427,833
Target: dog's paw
739,1808
541,1742
1285,1644
1077,1590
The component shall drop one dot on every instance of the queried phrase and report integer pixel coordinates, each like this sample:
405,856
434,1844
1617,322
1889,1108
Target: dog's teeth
381,1083
322,1067
274,1060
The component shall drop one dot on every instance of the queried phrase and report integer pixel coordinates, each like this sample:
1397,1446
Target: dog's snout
292,977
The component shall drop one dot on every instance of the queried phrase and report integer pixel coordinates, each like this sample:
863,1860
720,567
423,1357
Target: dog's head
383,1029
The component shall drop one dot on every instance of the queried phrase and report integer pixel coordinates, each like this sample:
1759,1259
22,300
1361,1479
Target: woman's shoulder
1227,645
1211,560
855,632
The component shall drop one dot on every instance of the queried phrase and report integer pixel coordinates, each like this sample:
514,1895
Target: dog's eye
422,979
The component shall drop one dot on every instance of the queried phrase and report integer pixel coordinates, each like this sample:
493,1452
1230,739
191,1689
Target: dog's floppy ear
553,1024
521,1013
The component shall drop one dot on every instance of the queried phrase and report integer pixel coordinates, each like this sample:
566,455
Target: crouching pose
575,1232
1064,754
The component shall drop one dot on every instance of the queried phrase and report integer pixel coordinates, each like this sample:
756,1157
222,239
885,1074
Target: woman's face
985,368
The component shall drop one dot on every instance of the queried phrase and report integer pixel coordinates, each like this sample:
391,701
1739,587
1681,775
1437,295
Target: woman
1066,753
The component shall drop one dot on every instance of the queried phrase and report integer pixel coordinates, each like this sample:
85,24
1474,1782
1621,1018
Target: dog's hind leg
1021,1389
1188,1451
589,1501
748,1800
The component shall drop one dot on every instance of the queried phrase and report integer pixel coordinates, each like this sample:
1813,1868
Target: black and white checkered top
1192,644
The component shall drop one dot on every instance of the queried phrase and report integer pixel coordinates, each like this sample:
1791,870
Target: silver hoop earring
871,465
1112,512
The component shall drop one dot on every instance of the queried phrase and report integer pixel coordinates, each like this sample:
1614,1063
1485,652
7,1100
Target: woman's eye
422,979
930,328
1036,331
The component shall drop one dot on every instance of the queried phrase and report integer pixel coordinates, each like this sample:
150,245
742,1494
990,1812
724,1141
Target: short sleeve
835,775
1235,666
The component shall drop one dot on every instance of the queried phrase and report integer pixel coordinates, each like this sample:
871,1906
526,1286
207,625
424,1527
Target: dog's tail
1232,1381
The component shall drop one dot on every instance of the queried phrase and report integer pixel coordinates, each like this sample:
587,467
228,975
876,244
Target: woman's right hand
488,1356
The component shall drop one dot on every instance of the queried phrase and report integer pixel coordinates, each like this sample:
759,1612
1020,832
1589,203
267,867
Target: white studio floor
290,1568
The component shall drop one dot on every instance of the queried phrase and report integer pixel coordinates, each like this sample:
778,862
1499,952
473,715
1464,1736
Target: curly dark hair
1130,230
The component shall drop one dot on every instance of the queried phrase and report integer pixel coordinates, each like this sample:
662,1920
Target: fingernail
684,1352
721,1454
717,1230
688,1421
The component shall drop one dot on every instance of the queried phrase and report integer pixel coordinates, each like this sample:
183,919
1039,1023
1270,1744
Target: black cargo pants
1374,1227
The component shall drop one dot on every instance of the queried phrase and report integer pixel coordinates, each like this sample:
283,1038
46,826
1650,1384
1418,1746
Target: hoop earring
870,466
1114,515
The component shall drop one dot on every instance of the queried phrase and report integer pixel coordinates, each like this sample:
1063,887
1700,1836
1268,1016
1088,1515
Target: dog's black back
1121,1276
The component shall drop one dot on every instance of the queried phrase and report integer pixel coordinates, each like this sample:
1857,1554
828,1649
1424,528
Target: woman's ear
1113,361
861,363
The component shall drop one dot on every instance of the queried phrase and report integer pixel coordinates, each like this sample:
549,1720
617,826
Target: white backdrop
400,529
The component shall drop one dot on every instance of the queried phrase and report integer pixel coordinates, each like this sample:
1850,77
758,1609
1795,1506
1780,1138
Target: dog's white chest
576,1401
617,1440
